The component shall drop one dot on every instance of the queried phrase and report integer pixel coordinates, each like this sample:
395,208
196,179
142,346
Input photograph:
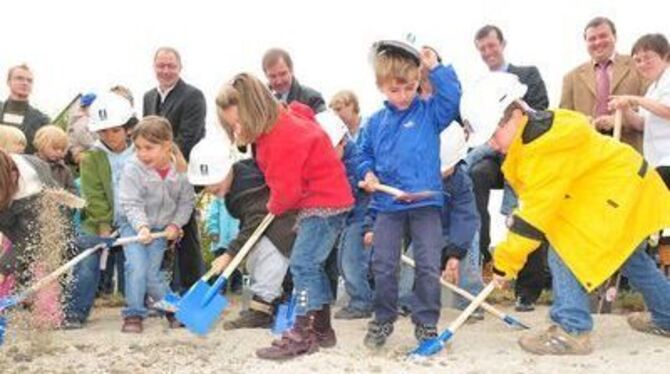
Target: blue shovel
508,319
430,347
285,317
200,307
10,301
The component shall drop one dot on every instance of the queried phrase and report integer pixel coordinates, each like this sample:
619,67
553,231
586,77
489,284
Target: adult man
485,166
184,106
587,87
594,200
17,111
278,68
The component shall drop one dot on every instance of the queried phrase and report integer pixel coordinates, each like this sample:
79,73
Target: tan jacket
579,91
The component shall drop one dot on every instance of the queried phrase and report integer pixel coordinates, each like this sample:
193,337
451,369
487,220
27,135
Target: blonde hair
154,129
12,139
50,135
9,179
14,68
124,92
344,98
390,67
258,109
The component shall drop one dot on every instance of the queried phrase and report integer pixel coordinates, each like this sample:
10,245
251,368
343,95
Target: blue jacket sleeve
445,102
366,157
463,219
213,213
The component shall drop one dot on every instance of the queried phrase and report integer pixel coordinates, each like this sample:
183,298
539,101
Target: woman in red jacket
304,174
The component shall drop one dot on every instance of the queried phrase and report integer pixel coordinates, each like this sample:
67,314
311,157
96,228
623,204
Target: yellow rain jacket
594,199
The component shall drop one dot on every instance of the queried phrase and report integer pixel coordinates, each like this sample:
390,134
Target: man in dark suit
278,68
17,111
485,166
184,106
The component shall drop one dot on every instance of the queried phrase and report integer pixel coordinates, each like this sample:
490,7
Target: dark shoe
404,311
249,319
476,316
348,313
424,332
642,322
173,322
73,324
325,335
523,305
377,334
299,340
132,325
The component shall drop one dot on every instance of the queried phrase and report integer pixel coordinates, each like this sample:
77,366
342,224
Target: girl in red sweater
304,174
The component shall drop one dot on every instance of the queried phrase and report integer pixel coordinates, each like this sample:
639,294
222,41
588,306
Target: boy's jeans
571,309
354,264
85,279
427,241
317,236
143,274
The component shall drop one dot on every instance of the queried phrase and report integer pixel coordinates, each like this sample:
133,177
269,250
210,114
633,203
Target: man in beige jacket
587,88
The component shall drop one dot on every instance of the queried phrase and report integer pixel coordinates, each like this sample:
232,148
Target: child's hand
145,235
220,263
369,183
368,239
429,58
451,273
173,232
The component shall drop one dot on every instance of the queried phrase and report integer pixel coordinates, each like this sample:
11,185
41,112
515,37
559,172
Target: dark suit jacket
307,96
536,96
32,121
185,108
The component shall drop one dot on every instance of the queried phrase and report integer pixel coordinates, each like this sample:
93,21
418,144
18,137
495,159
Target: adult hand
220,263
368,239
451,273
604,122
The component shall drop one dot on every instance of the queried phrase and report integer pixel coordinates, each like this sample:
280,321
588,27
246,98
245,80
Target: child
153,196
221,226
401,148
304,174
12,140
593,199
51,144
353,260
112,118
246,197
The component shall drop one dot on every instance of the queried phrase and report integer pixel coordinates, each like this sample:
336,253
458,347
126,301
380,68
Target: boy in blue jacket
401,149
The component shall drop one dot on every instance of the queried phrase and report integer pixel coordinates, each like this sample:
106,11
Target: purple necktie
602,87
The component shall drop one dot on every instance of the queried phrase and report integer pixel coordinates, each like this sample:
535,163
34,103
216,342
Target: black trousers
188,265
487,176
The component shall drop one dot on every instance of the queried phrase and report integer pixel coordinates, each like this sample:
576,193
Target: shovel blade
430,347
199,318
8,302
3,327
284,319
169,303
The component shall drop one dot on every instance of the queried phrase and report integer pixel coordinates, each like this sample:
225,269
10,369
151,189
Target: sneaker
642,322
424,332
377,334
350,313
73,324
522,305
555,341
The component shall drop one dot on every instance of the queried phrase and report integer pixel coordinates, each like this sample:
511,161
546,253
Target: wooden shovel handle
618,123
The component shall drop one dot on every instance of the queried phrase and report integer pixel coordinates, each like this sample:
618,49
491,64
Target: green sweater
96,187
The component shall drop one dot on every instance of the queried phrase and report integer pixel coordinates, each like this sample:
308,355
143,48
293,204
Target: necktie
602,87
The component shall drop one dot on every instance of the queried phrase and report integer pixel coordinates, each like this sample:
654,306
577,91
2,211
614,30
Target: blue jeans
315,240
470,271
143,273
85,279
354,264
427,240
571,308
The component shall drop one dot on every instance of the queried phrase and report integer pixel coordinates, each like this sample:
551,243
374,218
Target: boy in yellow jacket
593,199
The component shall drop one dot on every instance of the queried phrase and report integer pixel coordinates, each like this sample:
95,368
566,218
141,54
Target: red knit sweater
300,164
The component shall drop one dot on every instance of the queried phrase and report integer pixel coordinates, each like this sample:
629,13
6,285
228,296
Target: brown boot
132,324
259,315
325,335
299,340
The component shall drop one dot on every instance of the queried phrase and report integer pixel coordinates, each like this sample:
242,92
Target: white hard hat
406,45
210,162
484,104
453,146
333,125
109,110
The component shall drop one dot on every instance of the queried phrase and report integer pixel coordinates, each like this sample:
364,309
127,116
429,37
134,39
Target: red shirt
300,164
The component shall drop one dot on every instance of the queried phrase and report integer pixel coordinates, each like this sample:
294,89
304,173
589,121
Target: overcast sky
81,45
